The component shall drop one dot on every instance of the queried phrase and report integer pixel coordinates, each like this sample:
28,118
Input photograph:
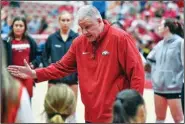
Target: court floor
40,91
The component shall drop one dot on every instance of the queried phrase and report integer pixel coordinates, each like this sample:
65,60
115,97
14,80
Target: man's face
90,28
65,21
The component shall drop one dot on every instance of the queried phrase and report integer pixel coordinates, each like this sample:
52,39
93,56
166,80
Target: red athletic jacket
101,70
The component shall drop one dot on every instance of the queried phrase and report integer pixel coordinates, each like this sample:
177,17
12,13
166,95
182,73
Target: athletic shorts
169,95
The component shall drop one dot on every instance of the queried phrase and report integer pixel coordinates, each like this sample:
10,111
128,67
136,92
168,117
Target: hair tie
57,114
64,116
53,114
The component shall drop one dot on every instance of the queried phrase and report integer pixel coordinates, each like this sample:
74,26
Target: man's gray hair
88,11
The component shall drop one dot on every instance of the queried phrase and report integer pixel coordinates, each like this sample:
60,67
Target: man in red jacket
106,59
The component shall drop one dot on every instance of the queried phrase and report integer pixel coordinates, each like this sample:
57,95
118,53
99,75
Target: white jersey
24,114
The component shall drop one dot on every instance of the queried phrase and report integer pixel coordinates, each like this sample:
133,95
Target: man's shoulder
118,32
79,39
121,35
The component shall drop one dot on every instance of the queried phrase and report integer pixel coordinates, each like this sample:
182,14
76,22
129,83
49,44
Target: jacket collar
71,34
9,39
103,33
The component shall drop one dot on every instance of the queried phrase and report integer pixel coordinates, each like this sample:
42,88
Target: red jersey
21,51
100,70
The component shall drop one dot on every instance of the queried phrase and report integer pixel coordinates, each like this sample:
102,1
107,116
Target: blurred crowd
139,18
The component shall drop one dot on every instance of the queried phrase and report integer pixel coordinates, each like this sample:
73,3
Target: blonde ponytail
56,119
59,103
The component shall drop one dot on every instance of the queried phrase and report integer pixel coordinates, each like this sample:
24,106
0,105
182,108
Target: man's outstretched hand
23,72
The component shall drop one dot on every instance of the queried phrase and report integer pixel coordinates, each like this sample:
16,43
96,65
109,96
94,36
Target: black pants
182,98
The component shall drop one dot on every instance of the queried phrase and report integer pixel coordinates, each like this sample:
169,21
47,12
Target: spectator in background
34,25
142,5
171,10
167,71
117,24
129,107
5,3
6,26
156,38
23,14
43,25
101,6
3,15
20,46
180,3
147,48
15,104
59,104
113,10
57,46
15,4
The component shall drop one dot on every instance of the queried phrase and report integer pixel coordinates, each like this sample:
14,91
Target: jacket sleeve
151,57
182,51
46,52
131,63
61,68
34,52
